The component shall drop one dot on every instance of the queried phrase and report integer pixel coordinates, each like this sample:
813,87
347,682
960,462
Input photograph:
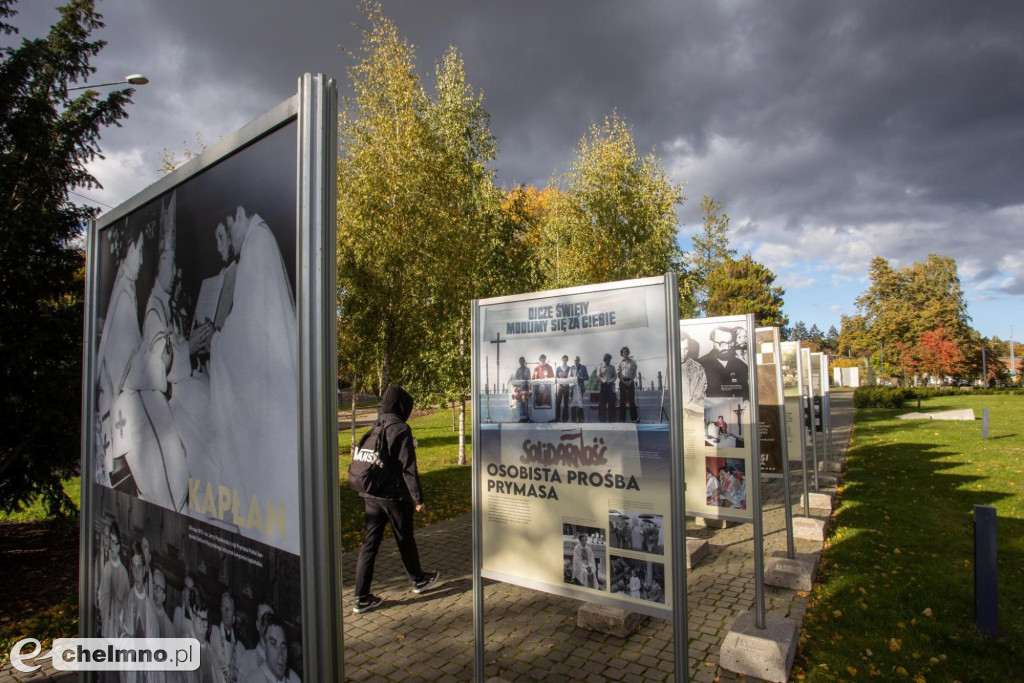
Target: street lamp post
1013,360
132,79
984,368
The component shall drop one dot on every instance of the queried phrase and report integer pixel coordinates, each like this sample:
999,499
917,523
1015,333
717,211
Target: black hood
397,401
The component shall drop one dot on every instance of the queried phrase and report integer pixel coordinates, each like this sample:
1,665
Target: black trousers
562,403
627,399
606,403
380,513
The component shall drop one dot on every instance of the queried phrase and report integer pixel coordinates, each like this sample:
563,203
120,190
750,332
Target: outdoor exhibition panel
808,390
771,424
573,457
826,410
791,381
209,464
720,437
819,381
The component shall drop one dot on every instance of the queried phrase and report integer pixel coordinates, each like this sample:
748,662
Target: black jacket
404,480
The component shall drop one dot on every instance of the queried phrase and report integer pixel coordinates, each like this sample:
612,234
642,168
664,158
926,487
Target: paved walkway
532,635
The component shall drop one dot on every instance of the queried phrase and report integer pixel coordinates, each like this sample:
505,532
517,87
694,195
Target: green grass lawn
895,592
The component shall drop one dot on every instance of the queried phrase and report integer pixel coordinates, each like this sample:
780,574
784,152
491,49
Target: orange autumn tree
935,354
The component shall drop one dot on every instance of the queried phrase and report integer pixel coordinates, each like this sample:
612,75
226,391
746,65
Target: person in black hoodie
401,497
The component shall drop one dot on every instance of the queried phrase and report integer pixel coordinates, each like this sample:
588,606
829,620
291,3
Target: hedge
894,397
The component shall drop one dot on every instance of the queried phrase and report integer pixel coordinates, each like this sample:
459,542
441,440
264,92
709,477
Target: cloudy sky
831,132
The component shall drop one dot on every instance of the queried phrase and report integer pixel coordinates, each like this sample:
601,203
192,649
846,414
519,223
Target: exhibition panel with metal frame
209,438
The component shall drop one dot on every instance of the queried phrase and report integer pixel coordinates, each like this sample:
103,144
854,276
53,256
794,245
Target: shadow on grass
896,579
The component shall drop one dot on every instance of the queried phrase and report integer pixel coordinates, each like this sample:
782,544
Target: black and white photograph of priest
196,370
583,556
206,395
723,349
637,578
726,421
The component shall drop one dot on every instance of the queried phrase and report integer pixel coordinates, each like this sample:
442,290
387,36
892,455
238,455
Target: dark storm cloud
841,129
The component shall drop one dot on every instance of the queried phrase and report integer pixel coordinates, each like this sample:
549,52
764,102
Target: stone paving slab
966,414
533,636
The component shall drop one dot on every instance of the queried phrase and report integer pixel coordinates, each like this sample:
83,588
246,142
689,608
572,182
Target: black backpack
369,471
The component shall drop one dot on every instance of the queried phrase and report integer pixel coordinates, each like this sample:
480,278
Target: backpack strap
381,442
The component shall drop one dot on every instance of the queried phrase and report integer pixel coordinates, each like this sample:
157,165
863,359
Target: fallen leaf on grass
928,613
869,653
895,644
902,672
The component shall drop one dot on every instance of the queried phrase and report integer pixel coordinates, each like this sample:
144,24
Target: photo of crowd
632,531
605,393
638,578
613,373
162,575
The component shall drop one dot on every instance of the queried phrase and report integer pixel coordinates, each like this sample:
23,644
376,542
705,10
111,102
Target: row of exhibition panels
209,408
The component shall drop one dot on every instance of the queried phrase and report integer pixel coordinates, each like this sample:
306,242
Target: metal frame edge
680,627
87,518
316,284
479,636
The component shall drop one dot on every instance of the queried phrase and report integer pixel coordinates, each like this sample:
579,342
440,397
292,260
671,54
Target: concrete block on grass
765,653
610,620
809,529
795,574
696,549
966,414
